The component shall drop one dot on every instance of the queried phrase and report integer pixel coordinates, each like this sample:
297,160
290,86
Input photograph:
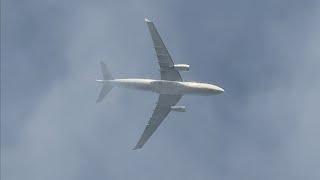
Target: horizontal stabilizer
106,88
105,72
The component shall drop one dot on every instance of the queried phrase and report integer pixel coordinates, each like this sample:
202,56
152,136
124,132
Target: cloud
263,127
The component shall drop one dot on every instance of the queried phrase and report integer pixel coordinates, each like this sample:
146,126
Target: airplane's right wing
164,59
161,111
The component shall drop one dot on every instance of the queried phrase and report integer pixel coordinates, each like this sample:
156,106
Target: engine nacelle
181,67
178,108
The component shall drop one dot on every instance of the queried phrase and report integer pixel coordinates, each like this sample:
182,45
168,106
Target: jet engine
181,67
178,108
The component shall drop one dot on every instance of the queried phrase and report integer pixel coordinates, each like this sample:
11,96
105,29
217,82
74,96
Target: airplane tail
106,88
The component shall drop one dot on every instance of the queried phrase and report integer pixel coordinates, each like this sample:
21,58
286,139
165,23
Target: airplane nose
220,90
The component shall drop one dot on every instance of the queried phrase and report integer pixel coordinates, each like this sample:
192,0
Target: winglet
135,148
146,20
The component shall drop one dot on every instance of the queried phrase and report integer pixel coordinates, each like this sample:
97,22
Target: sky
265,54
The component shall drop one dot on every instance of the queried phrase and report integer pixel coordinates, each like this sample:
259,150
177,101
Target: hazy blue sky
265,54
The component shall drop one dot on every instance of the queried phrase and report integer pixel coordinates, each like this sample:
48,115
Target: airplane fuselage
166,87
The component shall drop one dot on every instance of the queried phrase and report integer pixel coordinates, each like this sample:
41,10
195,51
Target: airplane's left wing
164,59
159,114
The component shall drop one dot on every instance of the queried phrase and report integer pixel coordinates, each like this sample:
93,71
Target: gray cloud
265,54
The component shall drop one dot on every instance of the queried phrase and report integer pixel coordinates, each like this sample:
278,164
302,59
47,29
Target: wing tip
136,148
147,20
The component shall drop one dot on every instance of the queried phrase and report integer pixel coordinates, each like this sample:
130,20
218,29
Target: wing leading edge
164,59
161,111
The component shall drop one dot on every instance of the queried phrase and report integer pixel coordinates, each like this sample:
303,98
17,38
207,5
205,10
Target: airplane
170,88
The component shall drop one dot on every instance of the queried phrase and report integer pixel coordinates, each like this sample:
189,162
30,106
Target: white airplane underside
166,87
170,88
